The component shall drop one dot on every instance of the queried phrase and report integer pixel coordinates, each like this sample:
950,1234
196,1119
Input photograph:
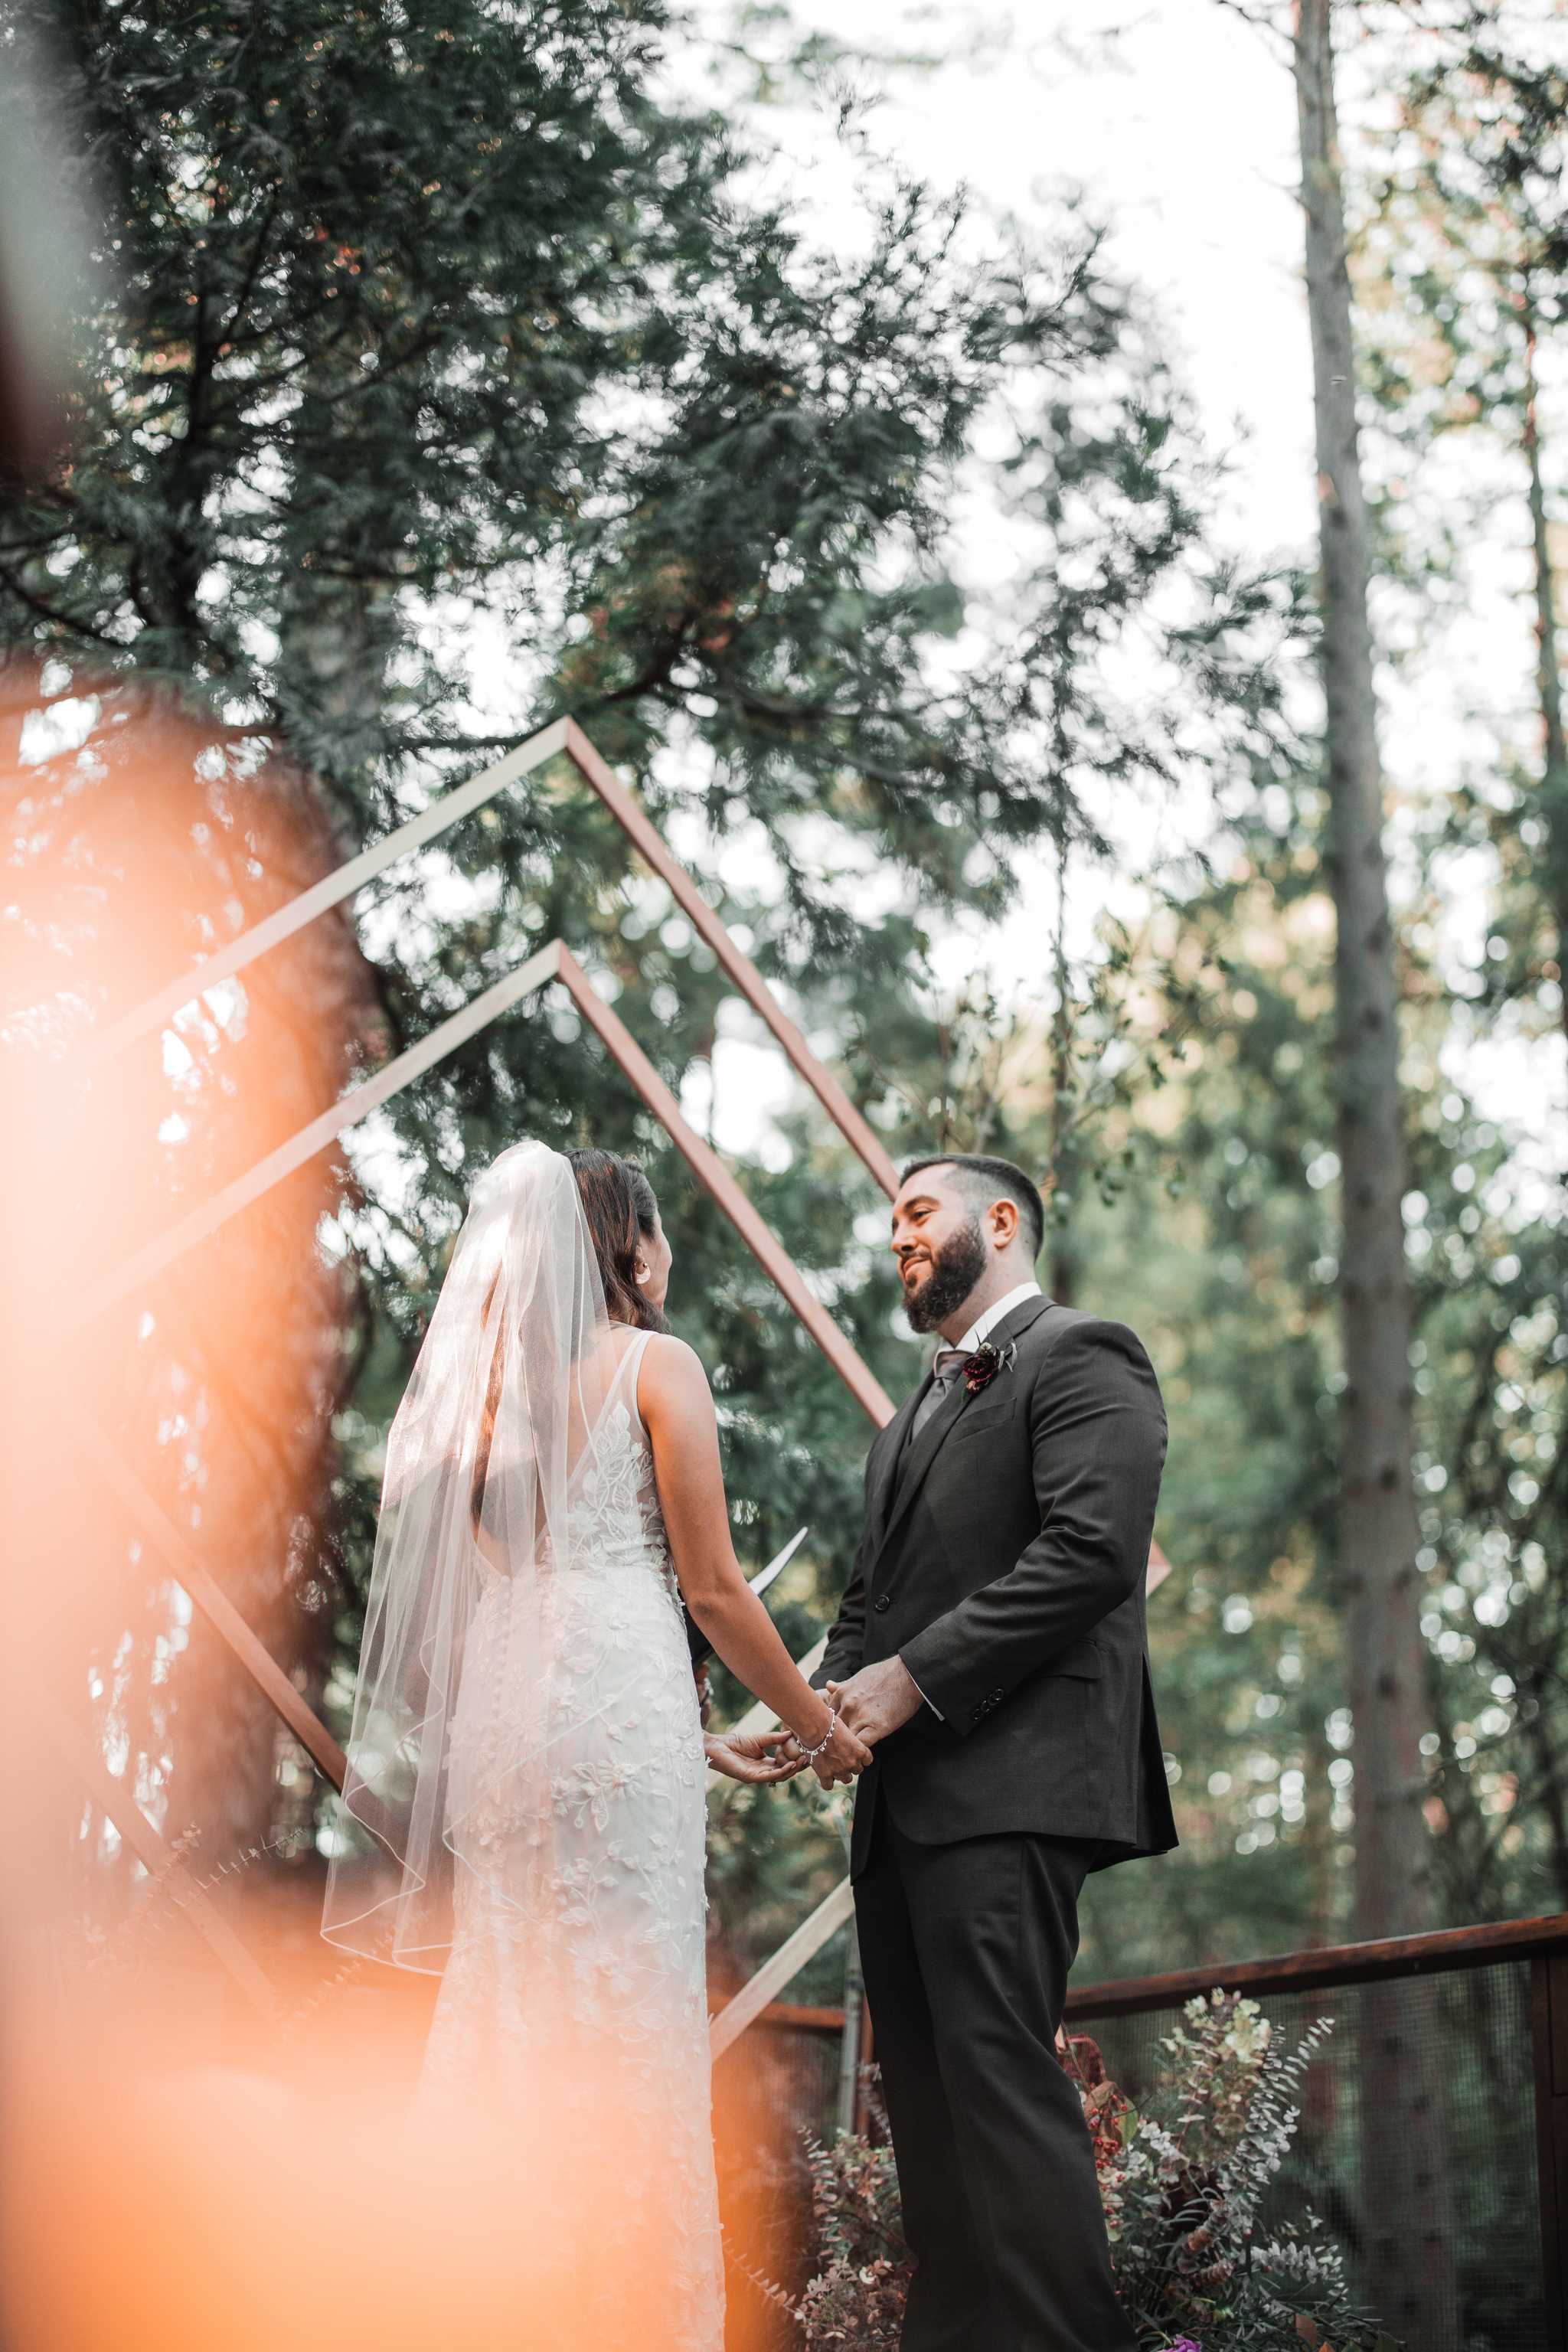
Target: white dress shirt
984,1324
978,1333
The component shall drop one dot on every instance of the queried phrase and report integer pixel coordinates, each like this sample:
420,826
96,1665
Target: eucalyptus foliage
1183,2183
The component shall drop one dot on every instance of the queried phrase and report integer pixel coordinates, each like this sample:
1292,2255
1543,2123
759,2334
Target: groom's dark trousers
1003,1559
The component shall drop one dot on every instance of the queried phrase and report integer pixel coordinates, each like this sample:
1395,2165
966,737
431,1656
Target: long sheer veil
474,1554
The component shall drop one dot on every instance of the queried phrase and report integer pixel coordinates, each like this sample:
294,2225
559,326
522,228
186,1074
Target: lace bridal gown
576,2000
524,1796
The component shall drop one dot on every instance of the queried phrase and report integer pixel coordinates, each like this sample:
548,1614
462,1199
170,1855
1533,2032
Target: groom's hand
877,1699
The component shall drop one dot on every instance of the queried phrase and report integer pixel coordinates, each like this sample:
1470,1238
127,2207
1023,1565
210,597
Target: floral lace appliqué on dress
578,1996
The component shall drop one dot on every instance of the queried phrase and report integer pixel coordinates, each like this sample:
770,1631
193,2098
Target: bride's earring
640,1275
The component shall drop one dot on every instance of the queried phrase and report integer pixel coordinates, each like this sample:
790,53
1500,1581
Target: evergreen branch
253,268
72,623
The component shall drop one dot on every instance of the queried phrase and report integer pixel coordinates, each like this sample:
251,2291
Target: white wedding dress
574,1992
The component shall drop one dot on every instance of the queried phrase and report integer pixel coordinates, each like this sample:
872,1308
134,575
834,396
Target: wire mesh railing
1473,2030
1477,2015
1480,2013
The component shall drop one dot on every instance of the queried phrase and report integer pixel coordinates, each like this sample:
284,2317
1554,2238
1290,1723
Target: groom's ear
1003,1217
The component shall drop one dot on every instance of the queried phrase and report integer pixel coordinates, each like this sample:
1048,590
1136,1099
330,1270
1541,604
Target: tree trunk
1410,2276
1058,1185
1379,1528
1548,676
1538,1701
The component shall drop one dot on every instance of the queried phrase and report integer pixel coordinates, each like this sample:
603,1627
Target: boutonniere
987,1361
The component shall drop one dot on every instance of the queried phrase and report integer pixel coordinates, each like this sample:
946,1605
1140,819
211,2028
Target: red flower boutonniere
985,1362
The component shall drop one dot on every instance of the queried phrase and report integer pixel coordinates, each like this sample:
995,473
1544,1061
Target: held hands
877,1700
757,1756
844,1757
768,1756
870,1704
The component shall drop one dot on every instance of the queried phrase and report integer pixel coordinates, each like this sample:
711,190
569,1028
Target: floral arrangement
1181,2184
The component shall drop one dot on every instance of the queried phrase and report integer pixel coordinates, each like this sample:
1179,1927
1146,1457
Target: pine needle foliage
1183,2184
452,372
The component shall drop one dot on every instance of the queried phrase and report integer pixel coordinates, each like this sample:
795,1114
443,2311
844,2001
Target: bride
527,1750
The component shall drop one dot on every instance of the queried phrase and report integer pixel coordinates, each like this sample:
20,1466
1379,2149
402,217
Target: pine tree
1465,261
427,324
1411,2270
1469,247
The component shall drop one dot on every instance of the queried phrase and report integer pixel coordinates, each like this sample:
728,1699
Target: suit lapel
918,1460
885,1470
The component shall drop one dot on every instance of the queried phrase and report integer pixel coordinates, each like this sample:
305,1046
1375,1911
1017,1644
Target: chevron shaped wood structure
554,964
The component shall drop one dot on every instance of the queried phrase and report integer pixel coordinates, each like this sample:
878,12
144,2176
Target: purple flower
987,1361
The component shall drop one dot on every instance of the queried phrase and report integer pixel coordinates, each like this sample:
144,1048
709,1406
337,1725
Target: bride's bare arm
677,1407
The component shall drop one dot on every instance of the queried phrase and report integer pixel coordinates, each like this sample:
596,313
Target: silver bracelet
811,1754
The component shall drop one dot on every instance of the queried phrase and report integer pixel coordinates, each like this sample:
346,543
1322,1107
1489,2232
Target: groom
990,1648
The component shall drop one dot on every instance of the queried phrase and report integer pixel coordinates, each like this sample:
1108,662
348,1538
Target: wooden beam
563,737
1438,1951
552,961
209,1596
786,1962
118,1804
1549,2035
357,1104
330,891
711,1173
791,2017
651,844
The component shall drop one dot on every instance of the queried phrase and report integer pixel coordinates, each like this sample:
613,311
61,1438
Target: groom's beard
956,1269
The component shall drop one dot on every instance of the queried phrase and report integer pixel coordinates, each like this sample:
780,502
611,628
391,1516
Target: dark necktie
949,1363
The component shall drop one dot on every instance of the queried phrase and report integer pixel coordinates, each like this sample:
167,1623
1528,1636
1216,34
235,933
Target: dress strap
631,1364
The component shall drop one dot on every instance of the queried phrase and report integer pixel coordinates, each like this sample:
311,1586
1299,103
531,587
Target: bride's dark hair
619,1204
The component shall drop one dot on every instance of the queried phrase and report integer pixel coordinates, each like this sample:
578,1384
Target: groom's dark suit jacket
1003,1559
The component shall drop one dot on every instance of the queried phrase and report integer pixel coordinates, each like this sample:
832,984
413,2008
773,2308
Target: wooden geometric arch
552,963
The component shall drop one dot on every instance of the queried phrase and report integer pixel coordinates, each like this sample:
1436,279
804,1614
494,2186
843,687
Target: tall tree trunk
1410,2276
1549,676
1379,1531
1539,1719
1061,1276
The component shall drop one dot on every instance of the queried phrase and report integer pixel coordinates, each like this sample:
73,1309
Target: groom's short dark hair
982,1179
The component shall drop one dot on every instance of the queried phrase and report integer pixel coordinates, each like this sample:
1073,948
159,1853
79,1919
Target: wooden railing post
863,2078
849,2038
1549,2018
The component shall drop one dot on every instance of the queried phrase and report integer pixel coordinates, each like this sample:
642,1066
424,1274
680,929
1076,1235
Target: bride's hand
756,1755
843,1760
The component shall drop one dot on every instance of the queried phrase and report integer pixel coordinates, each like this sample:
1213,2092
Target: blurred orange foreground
177,2191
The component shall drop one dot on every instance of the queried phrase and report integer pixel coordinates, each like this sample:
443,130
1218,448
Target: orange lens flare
176,2188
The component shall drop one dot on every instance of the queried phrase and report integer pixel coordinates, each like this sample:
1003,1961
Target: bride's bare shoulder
671,1377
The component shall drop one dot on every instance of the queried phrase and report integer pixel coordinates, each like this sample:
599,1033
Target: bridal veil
506,1409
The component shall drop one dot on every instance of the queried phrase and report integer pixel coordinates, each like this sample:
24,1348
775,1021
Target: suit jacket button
883,1601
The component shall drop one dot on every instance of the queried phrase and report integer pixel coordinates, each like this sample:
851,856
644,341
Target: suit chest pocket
980,1492
982,1421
